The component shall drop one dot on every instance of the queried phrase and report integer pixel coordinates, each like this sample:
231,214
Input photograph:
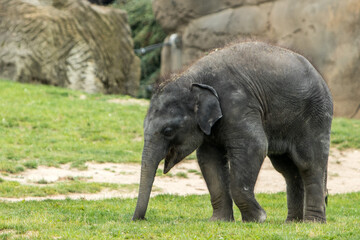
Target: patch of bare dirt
185,178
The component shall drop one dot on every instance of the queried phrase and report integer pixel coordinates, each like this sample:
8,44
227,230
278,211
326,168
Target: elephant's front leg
245,163
214,168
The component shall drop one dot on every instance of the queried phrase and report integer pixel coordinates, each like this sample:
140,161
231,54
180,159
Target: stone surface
327,32
176,14
66,43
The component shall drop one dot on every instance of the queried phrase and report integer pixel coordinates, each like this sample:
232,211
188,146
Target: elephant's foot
224,218
293,219
315,214
295,215
255,216
307,218
315,219
225,215
250,209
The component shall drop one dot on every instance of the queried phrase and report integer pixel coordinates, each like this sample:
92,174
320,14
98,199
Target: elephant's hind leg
214,168
294,186
312,165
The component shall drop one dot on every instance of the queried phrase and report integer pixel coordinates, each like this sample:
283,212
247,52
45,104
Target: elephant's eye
168,131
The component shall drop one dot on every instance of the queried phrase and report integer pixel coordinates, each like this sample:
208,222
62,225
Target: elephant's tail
325,188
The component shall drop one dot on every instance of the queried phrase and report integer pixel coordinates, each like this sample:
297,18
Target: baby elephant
234,107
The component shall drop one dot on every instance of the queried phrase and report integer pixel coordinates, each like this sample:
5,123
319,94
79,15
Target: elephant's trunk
150,162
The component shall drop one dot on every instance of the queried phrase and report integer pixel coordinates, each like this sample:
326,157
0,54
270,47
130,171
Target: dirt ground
185,178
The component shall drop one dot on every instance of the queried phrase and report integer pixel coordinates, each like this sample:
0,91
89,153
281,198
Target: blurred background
124,46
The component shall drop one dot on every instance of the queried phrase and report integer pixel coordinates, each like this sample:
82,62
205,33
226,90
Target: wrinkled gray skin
235,106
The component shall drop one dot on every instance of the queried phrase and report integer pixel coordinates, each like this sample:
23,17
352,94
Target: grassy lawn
170,217
13,189
345,133
44,125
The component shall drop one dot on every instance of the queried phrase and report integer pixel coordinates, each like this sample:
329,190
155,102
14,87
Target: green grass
44,125
13,189
181,175
171,217
345,133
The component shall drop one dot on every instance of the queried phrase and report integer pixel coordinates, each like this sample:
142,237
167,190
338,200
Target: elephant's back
274,69
270,69
283,82
292,88
258,59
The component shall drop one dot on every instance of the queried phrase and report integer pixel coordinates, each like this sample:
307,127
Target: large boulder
327,32
176,14
68,43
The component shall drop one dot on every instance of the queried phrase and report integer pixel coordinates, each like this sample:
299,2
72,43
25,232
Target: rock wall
68,43
327,32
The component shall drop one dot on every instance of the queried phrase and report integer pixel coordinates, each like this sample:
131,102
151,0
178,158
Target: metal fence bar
174,41
144,50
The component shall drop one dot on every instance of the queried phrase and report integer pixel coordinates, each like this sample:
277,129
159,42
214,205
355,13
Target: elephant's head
178,119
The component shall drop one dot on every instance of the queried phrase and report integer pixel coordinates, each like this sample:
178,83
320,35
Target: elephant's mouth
171,159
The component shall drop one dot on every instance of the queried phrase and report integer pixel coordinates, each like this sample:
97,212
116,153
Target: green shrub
145,31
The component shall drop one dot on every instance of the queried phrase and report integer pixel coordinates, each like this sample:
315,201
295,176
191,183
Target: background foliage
145,31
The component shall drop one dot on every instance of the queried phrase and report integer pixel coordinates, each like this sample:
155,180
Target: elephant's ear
207,107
